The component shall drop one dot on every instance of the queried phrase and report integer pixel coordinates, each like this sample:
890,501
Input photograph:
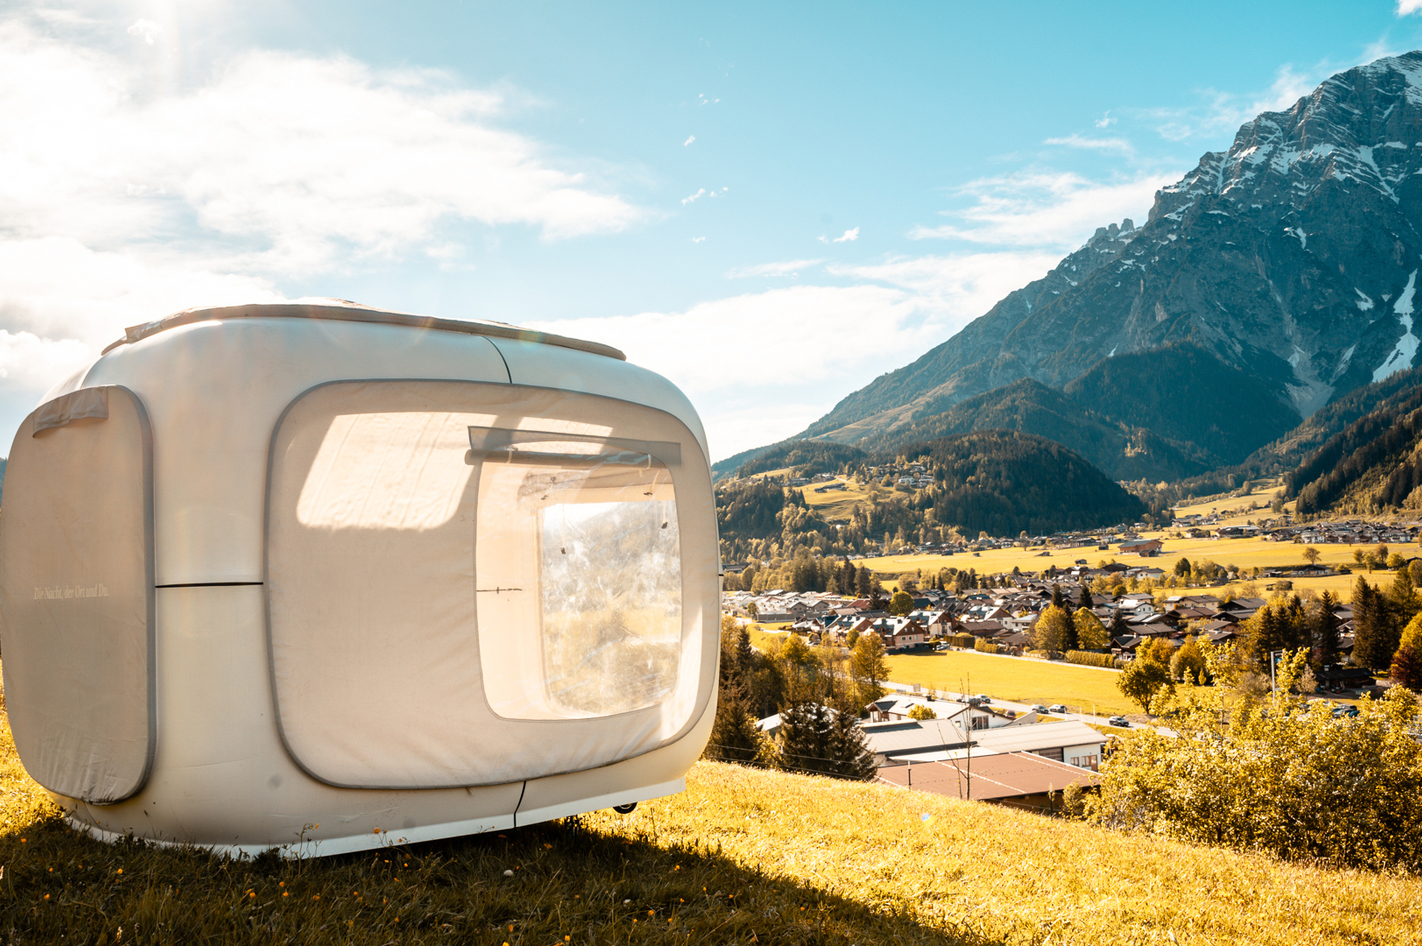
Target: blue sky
769,206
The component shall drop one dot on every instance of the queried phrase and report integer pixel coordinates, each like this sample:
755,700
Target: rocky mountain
1292,258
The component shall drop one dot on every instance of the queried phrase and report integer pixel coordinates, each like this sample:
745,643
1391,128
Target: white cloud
689,140
146,30
958,287
57,287
1093,144
899,309
709,352
125,196
787,268
1406,7
692,199
304,160
1105,121
700,239
849,236
1222,112
1048,210
30,362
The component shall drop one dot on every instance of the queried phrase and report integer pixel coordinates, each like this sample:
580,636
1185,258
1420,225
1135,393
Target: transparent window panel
578,564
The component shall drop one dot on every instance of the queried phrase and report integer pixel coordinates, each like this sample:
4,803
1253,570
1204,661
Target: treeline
807,570
803,458
1285,454
1376,447
761,519
1184,393
1029,406
818,692
992,482
1006,482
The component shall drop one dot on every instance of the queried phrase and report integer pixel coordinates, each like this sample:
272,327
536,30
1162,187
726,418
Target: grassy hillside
742,856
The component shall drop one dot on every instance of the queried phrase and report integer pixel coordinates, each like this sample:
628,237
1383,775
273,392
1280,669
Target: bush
1090,659
1283,776
985,647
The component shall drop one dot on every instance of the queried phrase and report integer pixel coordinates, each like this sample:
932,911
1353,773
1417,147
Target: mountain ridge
1291,256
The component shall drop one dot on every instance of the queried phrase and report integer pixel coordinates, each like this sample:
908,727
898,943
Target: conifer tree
803,743
1402,598
850,751
734,737
1369,633
1119,627
1325,630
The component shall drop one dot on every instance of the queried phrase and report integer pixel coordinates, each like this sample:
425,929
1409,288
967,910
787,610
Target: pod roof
342,311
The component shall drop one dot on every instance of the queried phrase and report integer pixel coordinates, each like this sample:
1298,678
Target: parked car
1057,708
1346,710
1121,721
984,699
1039,708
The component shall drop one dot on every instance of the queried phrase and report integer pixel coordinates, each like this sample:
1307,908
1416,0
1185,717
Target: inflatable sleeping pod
320,577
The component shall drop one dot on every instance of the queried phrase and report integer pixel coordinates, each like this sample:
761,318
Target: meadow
835,505
1245,553
1083,689
742,856
1087,689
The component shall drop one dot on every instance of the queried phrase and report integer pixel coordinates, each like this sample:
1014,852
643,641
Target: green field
1010,678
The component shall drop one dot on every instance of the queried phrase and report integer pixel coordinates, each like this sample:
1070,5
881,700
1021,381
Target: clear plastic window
578,575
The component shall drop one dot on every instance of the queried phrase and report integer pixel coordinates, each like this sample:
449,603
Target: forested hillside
1187,395
1004,482
1372,465
802,457
998,482
1121,451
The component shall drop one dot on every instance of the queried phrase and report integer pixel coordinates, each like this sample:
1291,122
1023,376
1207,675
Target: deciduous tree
1141,680
868,668
901,604
1053,630
1090,632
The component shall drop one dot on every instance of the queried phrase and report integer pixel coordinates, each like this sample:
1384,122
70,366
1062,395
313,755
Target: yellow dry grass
1245,553
1085,689
1236,510
742,855
836,505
